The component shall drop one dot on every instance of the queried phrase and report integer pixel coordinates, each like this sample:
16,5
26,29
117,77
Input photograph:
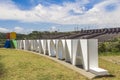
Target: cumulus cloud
53,28
15,29
102,16
64,14
4,30
18,29
22,30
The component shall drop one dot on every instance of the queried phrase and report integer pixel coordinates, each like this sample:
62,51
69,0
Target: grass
20,65
110,54
111,62
113,68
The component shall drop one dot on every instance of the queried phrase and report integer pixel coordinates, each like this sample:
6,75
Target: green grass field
21,65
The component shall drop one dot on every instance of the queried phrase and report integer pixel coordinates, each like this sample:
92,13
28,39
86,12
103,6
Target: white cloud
53,28
4,30
101,16
18,29
40,13
60,14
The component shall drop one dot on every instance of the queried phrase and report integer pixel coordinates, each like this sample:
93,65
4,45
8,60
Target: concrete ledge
68,65
99,71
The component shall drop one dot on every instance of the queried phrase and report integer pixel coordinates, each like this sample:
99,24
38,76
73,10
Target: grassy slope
20,65
112,66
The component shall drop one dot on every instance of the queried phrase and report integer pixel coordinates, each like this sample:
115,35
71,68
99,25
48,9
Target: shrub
112,46
102,47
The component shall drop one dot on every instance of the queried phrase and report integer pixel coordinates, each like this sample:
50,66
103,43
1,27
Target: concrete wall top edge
62,39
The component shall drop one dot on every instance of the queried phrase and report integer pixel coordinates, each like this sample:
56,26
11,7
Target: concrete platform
99,71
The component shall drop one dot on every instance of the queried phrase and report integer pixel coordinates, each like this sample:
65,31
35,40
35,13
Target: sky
25,16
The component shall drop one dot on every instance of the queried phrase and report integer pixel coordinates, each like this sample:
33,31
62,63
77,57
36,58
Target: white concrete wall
83,52
93,53
45,46
68,50
51,47
60,52
40,47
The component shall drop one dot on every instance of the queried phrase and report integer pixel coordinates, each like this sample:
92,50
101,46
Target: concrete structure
78,52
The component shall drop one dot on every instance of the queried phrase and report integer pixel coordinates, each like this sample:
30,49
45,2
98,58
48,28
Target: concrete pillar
60,49
80,53
93,58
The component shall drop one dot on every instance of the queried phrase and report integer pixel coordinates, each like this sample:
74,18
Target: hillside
21,65
102,35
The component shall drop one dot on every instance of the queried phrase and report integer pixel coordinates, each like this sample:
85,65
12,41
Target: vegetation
112,67
20,65
111,47
2,39
109,54
33,35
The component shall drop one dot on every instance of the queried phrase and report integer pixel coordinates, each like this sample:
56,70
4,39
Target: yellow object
13,35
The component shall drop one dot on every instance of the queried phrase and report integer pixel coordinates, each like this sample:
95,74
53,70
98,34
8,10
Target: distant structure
102,35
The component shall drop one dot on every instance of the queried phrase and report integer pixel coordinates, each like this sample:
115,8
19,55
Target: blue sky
24,16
